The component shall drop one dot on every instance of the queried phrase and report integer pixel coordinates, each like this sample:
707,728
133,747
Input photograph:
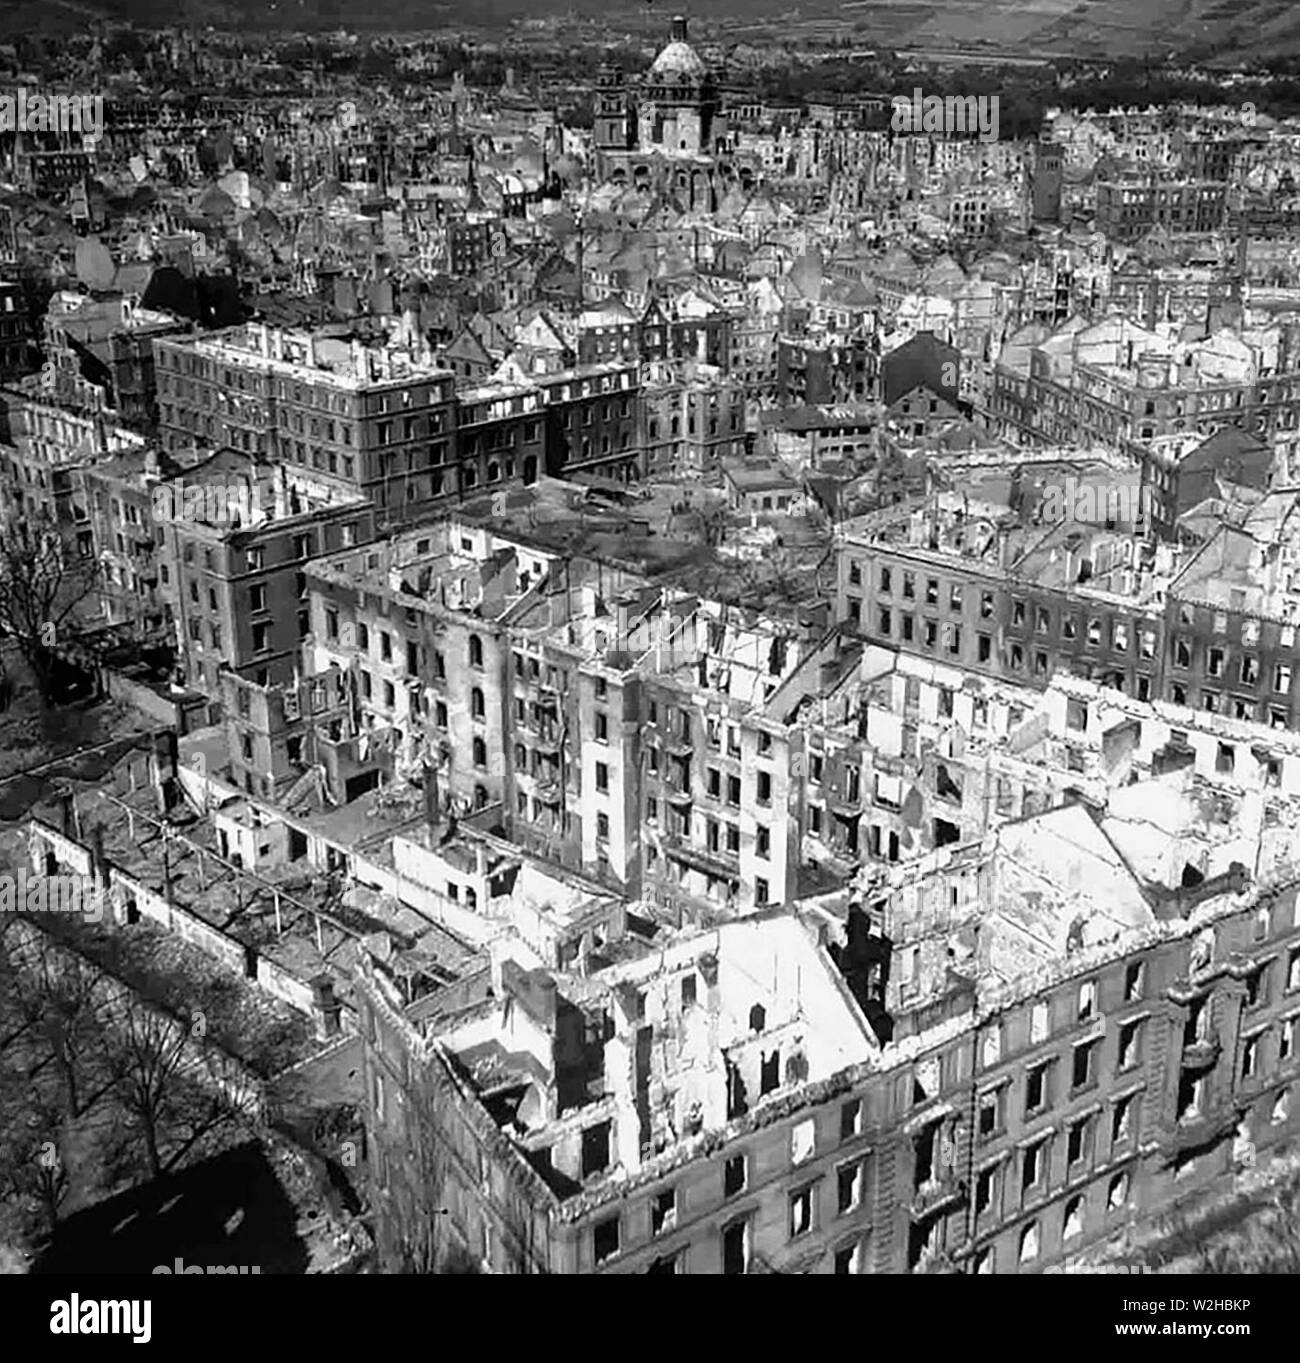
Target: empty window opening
924,1148
1032,1164
605,1239
1087,1000
848,1187
595,1150
735,1248
984,1190
733,1176
1073,1218
803,1141
801,1212
945,833
922,1241
663,1212
1122,1120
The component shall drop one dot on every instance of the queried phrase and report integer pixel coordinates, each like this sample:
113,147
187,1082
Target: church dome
679,60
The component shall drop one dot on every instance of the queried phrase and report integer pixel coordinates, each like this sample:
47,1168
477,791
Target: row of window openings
1029,1245
934,631
362,637
713,781
1039,1079
850,1180
716,834
1085,1010
1248,668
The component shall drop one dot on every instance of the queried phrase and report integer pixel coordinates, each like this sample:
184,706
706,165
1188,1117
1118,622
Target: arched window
757,1018
480,795
480,756
477,707
475,651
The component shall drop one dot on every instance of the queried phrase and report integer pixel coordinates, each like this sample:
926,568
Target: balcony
937,1194
1198,1131
719,864
1202,1053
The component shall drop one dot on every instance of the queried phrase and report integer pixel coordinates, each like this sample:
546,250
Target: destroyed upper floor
612,1069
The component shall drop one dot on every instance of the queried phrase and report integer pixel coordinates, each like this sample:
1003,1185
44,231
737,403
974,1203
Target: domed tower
679,100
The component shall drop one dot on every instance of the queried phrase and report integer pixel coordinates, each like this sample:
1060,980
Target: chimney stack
432,810
679,29
326,1008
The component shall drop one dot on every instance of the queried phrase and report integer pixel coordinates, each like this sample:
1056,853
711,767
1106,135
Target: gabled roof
540,333
467,347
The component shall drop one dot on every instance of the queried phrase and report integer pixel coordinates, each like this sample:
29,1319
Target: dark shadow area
230,1210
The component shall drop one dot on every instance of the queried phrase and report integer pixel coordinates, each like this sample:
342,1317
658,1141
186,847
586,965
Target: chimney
164,769
98,859
68,810
432,810
679,29
325,1007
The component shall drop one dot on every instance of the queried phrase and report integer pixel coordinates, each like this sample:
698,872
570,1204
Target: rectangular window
1130,1038
991,1108
1132,981
848,1187
801,1211
1038,1088
733,1176
736,1247
1121,1122
851,1119
663,1212
605,1239
1033,1166
1079,1141
1083,1070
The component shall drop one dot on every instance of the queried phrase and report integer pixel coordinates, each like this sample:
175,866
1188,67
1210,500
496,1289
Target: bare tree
51,1002
33,1170
44,589
204,1099
146,1057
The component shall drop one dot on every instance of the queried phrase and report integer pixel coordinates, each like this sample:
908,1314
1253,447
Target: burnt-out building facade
921,1109
372,422
593,421
980,607
237,536
420,622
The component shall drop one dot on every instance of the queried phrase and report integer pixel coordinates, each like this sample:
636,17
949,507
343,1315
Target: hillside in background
1230,31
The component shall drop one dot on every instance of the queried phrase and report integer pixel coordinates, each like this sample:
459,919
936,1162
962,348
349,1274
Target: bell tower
612,127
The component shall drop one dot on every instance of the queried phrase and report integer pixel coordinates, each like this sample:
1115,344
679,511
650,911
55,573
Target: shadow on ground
229,1210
